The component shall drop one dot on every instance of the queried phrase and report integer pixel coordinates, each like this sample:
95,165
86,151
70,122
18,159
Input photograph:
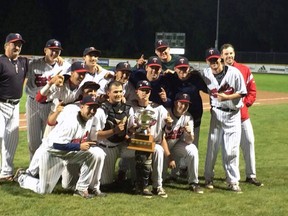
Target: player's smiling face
88,111
76,78
91,59
182,72
153,72
215,64
51,54
180,107
143,94
163,53
115,94
12,50
228,55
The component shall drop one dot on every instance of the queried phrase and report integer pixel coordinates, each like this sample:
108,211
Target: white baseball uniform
39,72
225,123
52,160
181,147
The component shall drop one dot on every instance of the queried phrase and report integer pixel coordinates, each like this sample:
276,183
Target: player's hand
86,145
59,60
108,75
141,61
168,71
222,97
60,107
168,121
172,164
58,79
119,128
163,95
187,129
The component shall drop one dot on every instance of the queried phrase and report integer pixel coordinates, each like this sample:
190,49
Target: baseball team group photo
101,133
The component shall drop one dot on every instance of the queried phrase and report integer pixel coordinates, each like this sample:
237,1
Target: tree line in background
126,28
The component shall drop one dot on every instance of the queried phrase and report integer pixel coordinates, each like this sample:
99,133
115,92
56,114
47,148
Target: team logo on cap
182,60
56,43
154,60
160,42
211,51
126,64
17,35
185,96
83,65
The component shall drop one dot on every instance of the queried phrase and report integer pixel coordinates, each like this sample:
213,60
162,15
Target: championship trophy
141,140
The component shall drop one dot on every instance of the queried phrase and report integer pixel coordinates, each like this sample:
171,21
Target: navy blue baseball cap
212,53
91,50
89,100
12,37
90,85
123,66
182,97
53,44
154,61
161,44
79,67
181,62
143,84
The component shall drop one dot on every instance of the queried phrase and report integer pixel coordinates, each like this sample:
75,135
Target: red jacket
250,98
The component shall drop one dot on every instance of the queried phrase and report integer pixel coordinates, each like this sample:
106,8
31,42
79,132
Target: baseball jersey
231,83
177,131
250,97
12,75
39,72
68,131
99,78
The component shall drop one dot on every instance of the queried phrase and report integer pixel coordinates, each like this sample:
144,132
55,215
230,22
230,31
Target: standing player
179,135
162,50
68,143
96,73
226,88
247,135
39,72
13,69
144,161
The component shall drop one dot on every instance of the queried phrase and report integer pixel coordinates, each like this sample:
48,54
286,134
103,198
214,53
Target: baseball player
68,143
109,130
62,89
226,88
247,134
179,135
13,69
39,72
146,161
162,50
96,73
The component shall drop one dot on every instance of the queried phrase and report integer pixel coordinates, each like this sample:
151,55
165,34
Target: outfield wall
255,68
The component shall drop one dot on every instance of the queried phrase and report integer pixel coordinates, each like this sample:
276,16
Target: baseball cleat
18,173
83,194
99,193
160,192
196,188
235,188
209,185
147,193
254,181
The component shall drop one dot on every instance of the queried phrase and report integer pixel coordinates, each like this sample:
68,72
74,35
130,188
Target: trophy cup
141,140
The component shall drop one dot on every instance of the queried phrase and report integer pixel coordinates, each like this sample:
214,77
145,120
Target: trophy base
142,142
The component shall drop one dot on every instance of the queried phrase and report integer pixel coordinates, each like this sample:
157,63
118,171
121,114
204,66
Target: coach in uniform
13,69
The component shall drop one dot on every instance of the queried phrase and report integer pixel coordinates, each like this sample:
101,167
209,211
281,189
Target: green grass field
270,124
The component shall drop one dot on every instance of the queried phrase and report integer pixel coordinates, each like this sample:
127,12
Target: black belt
225,109
11,101
107,146
45,102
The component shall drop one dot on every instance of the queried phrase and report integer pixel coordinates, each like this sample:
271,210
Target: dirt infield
263,97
